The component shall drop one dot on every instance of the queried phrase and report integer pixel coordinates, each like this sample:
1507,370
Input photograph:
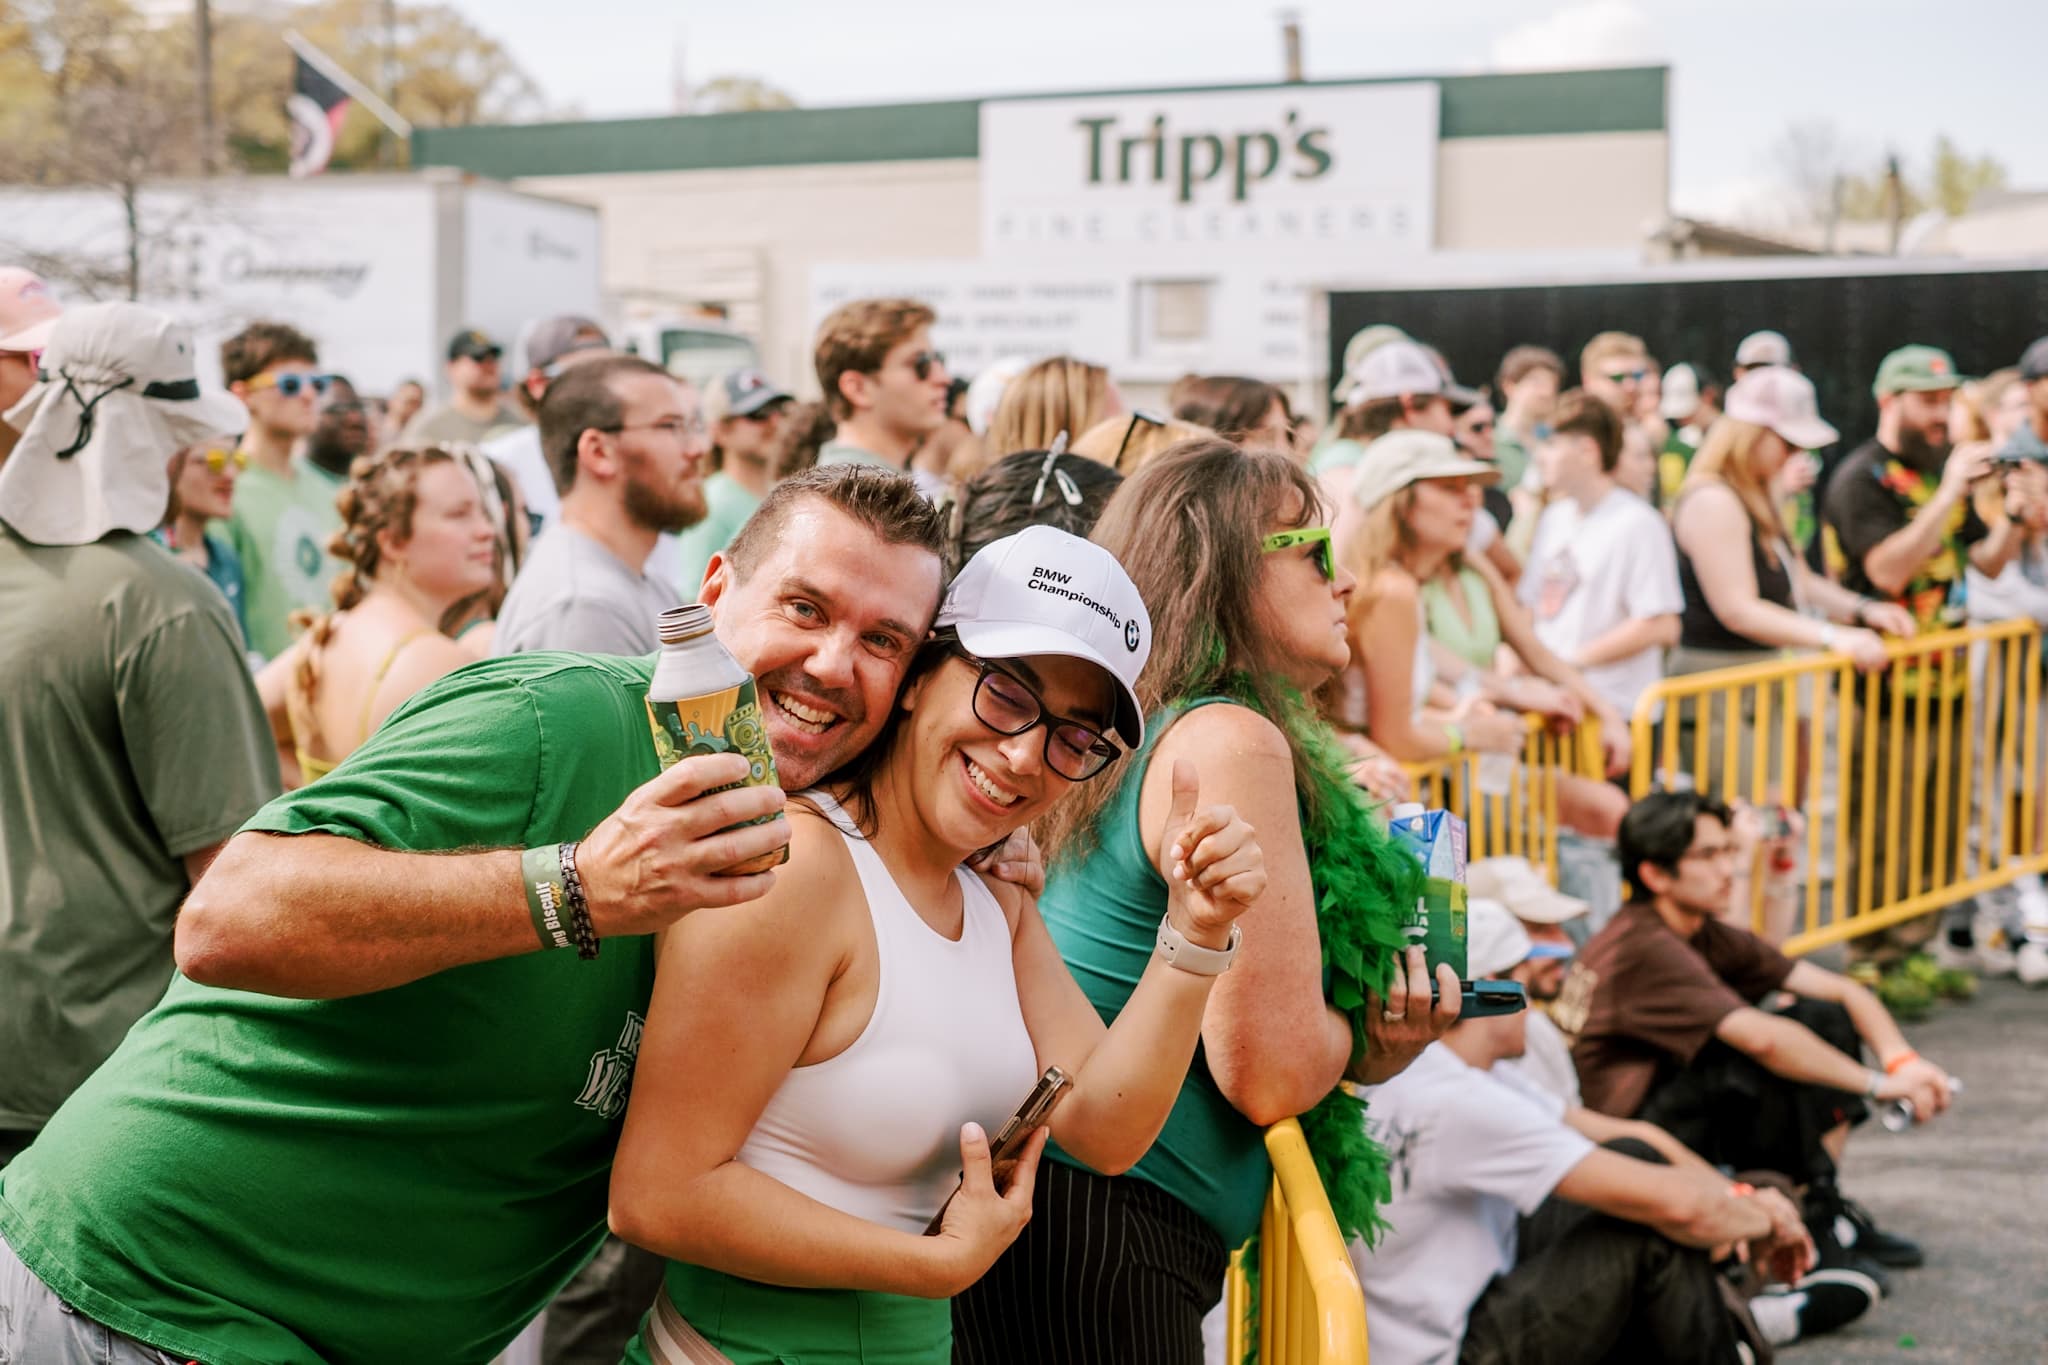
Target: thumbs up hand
1212,862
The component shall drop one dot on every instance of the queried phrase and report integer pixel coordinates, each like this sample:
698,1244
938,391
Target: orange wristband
1906,1058
1741,1190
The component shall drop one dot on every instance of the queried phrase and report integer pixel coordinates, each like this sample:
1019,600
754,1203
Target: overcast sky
1743,70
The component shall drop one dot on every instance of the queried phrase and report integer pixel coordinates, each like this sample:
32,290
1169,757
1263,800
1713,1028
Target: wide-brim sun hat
118,395
1043,591
1410,455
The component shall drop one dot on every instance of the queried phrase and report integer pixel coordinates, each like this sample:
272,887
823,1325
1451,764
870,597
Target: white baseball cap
1495,941
1781,400
1681,393
1043,591
1394,369
27,312
1764,348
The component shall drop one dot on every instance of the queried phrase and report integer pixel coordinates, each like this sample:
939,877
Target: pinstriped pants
1109,1270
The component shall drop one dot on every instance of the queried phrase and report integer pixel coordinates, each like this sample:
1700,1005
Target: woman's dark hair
1659,830
1020,490
1229,405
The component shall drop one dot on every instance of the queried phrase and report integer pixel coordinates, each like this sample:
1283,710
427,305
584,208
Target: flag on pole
316,107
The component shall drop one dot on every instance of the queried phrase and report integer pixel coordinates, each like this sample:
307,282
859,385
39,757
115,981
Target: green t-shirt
730,505
1511,455
130,735
407,1175
281,529
1104,910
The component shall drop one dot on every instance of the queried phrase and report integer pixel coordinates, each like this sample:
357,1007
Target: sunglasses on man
924,362
291,383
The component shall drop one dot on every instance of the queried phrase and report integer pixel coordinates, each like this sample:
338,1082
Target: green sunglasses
1318,536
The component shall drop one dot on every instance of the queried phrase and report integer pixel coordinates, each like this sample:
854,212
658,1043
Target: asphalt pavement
1972,1189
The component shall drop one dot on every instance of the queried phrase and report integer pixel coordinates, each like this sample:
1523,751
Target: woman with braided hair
418,545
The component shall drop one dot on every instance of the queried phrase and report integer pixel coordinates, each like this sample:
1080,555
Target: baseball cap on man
1363,343
2034,361
1409,455
1681,398
470,344
1495,941
1516,883
1764,348
547,340
27,312
739,393
1396,369
1043,591
1780,400
1915,369
119,394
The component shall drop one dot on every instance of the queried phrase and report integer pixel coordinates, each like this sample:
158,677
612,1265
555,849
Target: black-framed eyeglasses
680,429
1138,415
1008,705
1316,536
921,364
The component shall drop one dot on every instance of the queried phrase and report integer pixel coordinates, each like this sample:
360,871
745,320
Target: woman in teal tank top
1249,616
819,1066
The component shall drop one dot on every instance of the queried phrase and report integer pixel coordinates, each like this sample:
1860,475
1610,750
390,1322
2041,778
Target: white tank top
875,1131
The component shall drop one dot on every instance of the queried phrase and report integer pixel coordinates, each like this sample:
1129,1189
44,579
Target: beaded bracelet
579,909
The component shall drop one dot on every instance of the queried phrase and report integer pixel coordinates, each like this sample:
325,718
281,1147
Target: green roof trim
1516,104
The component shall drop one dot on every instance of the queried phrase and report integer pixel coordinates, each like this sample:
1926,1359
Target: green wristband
546,899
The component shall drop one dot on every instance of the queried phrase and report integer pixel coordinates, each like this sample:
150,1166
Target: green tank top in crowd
1103,909
403,1176
1473,636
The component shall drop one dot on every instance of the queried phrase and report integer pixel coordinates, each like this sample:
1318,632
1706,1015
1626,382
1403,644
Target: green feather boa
1363,882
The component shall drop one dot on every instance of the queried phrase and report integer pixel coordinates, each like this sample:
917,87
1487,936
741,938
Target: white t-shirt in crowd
1588,572
1471,1151
1546,1062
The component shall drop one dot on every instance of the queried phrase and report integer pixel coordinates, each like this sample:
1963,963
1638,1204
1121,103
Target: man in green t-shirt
284,514
372,1121
745,413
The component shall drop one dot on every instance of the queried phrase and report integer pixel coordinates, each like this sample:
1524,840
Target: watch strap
1188,956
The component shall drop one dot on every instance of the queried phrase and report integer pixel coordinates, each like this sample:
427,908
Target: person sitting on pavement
360,933
1527,1231
1543,912
1662,1006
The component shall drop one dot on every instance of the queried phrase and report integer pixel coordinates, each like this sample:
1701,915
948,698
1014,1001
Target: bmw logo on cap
1131,635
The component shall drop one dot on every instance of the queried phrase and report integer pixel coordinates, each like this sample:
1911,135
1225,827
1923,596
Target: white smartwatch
1188,956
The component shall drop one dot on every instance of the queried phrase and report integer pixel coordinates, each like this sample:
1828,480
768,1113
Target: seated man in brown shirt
1662,1005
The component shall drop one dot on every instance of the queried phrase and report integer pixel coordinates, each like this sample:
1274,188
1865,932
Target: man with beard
341,433
626,443
1899,524
374,1118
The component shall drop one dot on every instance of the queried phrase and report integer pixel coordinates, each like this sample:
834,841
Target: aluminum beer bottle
702,702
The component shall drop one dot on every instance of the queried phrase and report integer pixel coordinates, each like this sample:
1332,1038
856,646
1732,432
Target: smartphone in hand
1008,1143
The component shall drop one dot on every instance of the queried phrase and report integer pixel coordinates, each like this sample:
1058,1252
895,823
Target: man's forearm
1797,1053
1874,1024
1991,555
317,916
1896,558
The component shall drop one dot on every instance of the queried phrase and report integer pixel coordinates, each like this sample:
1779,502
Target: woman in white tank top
819,1066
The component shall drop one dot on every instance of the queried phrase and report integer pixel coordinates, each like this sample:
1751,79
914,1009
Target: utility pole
1290,44
202,21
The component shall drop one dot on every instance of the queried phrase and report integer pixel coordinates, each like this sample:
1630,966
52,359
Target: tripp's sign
1293,168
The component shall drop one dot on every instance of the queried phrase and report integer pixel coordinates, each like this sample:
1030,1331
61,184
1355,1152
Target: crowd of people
328,729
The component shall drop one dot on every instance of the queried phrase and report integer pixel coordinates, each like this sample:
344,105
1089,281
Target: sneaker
1822,1302
2030,963
1995,956
1849,1226
1985,952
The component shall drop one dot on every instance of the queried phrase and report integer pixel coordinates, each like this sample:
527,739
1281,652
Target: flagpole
359,92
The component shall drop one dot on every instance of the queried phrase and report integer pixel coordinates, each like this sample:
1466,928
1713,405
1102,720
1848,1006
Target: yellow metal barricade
1311,1310
1920,784
1509,802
